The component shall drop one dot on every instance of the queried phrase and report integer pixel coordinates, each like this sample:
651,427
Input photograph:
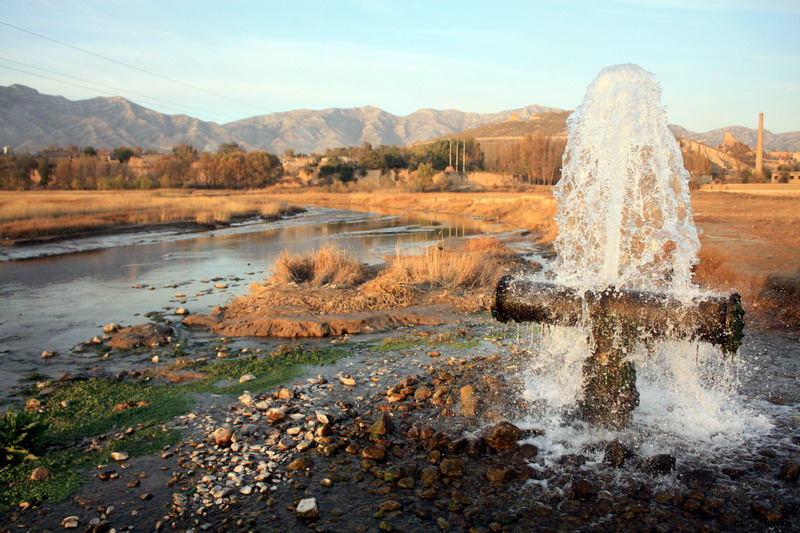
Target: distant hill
30,120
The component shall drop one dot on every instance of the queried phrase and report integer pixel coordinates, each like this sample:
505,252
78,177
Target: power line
133,67
68,83
104,85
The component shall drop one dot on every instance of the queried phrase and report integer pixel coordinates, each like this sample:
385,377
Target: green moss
68,467
86,408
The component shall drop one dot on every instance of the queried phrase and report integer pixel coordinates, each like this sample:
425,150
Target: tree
185,154
229,148
90,151
44,171
123,154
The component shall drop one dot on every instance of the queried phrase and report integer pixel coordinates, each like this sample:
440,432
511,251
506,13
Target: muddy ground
416,438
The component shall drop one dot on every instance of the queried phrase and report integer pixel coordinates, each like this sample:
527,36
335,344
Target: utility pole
450,158
456,167
464,159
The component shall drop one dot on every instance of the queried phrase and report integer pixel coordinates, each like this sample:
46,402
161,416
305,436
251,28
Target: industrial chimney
760,147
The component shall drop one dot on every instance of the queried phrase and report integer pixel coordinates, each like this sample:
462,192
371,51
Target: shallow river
54,302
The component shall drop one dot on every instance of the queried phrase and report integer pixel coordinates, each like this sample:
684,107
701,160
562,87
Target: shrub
327,265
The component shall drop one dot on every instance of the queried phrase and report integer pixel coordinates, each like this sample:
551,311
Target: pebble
182,311
119,456
222,436
307,509
247,377
40,474
49,355
111,328
70,522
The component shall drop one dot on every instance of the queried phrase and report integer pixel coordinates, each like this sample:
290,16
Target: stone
453,467
307,509
469,401
49,355
246,399
113,327
120,456
499,473
657,464
151,335
583,489
381,427
347,380
503,436
220,286
285,394
70,522
182,311
376,453
222,436
390,505
616,453
275,414
247,377
300,464
766,512
422,394
40,474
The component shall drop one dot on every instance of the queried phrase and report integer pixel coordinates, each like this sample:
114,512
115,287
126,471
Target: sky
719,62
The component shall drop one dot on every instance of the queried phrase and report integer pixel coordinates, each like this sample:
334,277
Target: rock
347,380
390,505
113,327
246,399
222,436
32,404
428,476
40,474
790,471
657,464
324,418
422,394
307,509
220,286
70,522
766,512
469,401
503,436
275,414
120,456
300,464
583,489
142,335
182,311
453,467
376,453
285,394
383,426
247,377
499,473
49,355
616,453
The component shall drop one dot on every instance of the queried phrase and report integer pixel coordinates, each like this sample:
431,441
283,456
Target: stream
60,294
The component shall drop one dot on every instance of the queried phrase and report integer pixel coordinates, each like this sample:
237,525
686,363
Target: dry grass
326,266
48,213
329,281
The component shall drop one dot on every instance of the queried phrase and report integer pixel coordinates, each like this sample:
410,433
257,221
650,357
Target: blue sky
720,62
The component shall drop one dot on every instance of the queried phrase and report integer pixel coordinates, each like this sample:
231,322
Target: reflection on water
58,301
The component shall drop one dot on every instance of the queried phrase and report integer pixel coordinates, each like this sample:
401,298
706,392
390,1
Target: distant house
104,155
54,156
785,176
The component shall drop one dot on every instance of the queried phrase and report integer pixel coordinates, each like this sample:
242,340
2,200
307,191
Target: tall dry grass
48,213
325,266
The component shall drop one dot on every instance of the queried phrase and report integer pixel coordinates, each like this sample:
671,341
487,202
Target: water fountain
626,245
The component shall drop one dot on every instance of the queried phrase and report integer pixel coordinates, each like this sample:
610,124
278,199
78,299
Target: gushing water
625,221
624,215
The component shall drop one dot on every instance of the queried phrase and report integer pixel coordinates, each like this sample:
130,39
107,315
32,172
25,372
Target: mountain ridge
30,120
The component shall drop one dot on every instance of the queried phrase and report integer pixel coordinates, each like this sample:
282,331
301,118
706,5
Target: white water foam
624,215
625,221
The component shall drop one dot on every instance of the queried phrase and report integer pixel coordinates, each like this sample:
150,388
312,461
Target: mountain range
30,120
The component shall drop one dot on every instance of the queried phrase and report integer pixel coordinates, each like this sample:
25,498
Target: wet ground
408,440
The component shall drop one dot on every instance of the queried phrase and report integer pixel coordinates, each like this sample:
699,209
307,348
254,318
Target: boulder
142,335
307,509
503,436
